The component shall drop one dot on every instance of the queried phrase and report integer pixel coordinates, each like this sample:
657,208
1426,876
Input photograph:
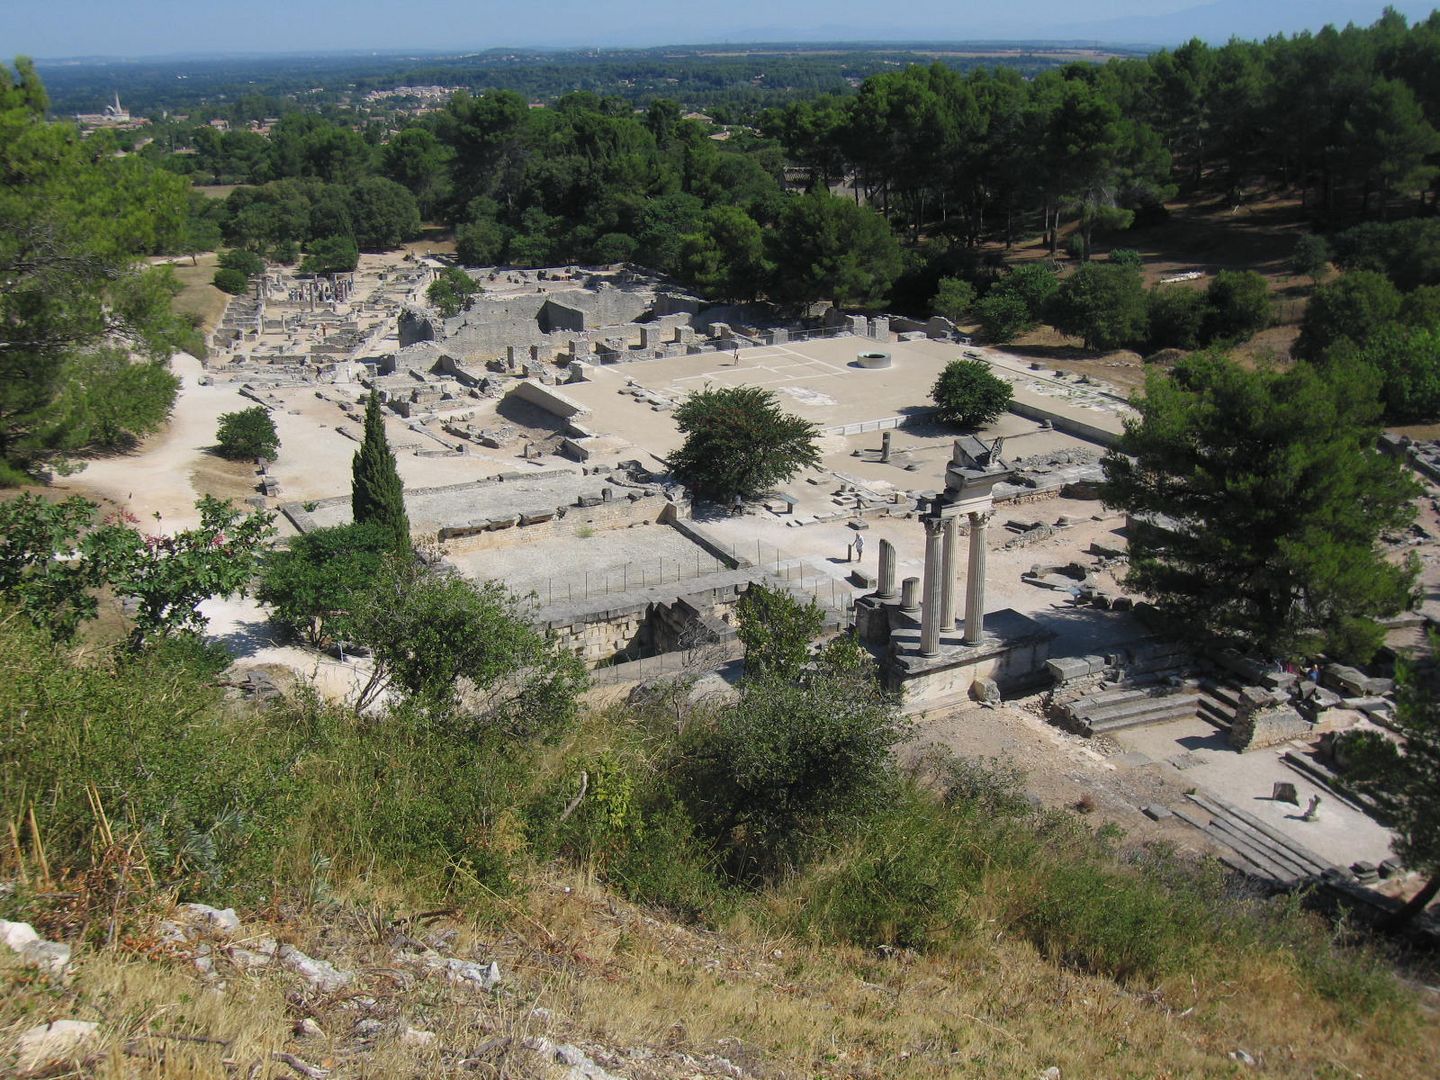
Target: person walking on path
859,548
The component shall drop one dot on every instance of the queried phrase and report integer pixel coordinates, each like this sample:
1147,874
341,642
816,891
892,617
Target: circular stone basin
873,359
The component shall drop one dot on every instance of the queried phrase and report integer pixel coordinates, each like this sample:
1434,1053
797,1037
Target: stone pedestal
910,596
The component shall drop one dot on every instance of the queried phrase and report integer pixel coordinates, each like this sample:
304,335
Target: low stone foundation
1012,653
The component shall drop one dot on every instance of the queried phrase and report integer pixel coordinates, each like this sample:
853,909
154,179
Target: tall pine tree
376,494
1258,499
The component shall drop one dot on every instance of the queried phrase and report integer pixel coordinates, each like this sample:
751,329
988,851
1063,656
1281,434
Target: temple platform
1012,652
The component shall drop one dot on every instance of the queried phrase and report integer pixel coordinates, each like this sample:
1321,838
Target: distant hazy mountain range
1215,22
1224,19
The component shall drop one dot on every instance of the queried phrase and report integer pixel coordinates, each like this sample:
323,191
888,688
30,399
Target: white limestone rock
221,921
50,957
320,974
17,935
416,1037
465,972
59,1040
580,1065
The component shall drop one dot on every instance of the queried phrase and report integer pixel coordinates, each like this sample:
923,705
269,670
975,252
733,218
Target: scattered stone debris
55,1042
51,957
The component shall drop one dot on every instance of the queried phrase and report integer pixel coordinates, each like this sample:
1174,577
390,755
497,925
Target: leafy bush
242,260
1422,308
1408,360
53,558
1017,301
427,632
1239,303
765,777
331,255
452,291
313,586
1003,317
1104,304
247,434
1406,252
1177,317
776,631
212,796
230,281
1352,308
953,299
1311,257
968,395
739,441
907,878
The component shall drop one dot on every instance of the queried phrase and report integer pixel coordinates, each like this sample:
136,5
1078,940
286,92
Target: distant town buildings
114,116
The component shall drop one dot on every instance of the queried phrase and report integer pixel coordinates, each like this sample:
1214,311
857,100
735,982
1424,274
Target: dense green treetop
75,306
247,434
738,441
1104,304
1257,501
968,394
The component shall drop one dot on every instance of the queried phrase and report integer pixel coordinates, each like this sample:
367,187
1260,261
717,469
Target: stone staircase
1119,708
1251,846
1218,702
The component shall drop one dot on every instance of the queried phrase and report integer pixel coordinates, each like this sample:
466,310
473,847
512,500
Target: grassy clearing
197,296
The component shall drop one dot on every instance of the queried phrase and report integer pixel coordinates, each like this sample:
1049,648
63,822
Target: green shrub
230,281
968,394
953,299
247,434
313,586
767,777
407,793
242,260
331,255
1103,303
776,630
1003,317
212,796
905,879
1239,302
1177,317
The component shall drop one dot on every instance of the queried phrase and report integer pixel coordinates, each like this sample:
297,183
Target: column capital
981,518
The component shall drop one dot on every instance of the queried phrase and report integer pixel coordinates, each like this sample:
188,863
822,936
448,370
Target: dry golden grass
197,296
648,998
213,475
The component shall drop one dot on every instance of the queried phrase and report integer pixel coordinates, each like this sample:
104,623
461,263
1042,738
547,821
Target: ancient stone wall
621,512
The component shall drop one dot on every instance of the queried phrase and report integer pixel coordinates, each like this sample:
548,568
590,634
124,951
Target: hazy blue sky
56,28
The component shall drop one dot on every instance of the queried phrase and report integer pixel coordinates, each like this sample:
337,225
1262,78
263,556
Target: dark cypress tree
376,494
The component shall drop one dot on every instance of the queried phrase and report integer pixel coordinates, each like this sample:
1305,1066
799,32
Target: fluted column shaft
975,587
951,566
930,606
